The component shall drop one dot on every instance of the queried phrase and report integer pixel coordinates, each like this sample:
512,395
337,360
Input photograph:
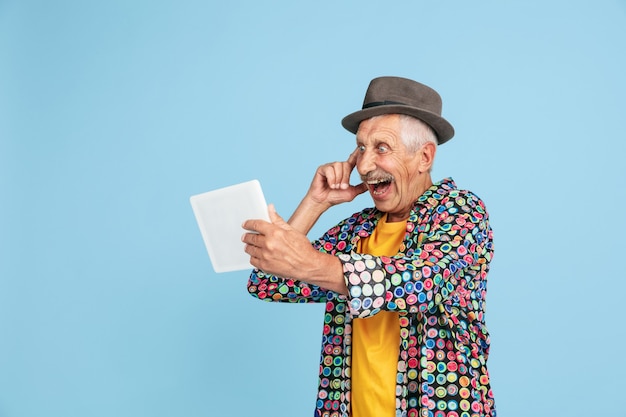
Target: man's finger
333,174
254,225
248,225
353,157
276,218
361,188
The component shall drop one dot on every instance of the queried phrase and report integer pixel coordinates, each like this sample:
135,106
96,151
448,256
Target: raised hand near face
331,183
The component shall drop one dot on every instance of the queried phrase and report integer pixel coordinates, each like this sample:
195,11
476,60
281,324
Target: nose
365,162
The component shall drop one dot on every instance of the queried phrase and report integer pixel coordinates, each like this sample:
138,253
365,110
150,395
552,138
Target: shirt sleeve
269,287
445,260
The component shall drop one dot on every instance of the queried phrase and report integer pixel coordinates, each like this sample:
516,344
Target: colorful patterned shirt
437,283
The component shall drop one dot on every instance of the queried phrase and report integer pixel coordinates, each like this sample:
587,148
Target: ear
427,156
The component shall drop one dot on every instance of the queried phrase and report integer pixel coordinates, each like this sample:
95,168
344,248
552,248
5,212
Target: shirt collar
432,196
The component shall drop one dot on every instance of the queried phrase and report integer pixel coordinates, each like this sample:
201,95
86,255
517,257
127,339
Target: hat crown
397,95
402,91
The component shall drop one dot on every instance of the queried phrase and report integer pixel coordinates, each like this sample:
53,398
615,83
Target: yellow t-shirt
376,339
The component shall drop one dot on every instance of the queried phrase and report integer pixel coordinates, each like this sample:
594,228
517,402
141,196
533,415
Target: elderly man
404,282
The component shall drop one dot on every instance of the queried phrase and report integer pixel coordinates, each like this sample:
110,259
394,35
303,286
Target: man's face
395,176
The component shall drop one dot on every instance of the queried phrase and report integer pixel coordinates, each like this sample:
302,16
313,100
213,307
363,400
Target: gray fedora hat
396,95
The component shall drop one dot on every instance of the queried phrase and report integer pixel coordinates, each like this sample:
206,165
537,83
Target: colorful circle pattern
437,284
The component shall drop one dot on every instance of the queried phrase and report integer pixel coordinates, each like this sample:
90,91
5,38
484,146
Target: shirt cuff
365,279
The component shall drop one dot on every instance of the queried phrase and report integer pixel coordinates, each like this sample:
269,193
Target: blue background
113,113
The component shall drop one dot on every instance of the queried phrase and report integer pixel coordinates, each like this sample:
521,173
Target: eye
361,148
382,148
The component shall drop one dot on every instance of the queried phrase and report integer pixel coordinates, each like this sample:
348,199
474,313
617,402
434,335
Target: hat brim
442,128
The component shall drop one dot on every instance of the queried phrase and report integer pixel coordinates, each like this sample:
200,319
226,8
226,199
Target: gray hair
415,133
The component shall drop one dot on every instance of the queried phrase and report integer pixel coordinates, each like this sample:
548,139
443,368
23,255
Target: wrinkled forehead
388,123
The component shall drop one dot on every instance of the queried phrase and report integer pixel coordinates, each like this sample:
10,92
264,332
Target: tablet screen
220,214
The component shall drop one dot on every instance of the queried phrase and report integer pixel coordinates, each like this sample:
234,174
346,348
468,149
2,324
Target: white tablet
220,214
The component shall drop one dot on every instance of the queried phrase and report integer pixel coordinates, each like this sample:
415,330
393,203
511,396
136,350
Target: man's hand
278,249
330,186
331,183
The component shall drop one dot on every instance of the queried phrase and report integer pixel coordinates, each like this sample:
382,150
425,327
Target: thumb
275,217
360,189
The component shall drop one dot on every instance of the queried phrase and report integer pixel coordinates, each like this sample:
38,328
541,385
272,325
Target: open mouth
379,186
